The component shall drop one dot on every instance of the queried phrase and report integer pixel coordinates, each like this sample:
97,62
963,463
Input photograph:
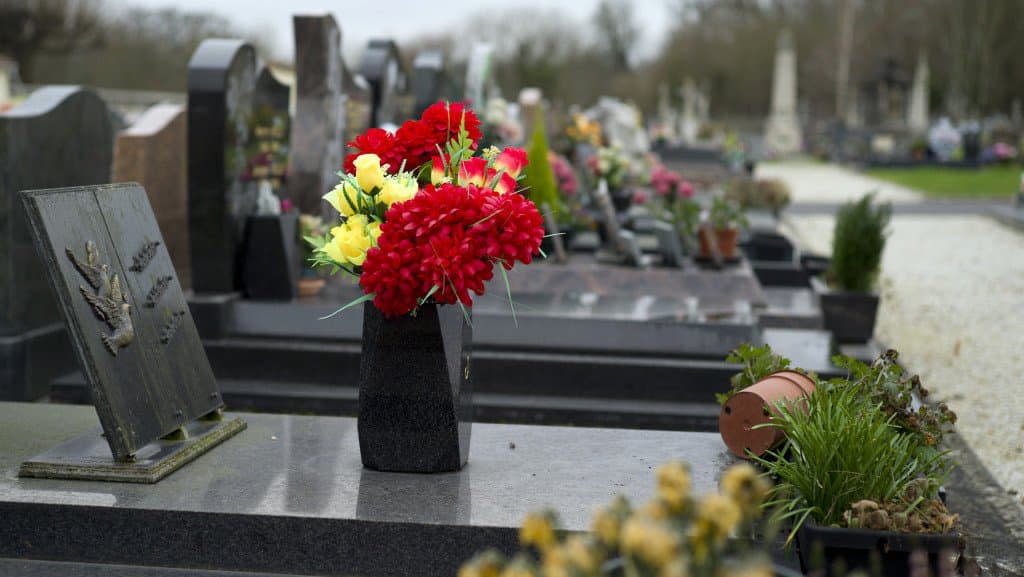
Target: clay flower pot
754,406
726,239
310,286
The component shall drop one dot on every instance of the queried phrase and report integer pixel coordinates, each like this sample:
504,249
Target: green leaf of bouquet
355,302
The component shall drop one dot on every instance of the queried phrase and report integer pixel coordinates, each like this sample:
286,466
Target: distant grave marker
59,136
382,67
221,82
271,132
668,244
318,129
152,386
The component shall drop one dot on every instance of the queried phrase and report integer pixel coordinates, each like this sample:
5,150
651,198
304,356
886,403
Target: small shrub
858,244
540,183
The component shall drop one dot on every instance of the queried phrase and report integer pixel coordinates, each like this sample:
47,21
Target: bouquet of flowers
425,216
584,131
612,165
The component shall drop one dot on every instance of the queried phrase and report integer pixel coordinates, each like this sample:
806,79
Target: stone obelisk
782,135
917,113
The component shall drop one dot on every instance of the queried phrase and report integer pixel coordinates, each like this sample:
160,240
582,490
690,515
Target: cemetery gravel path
952,303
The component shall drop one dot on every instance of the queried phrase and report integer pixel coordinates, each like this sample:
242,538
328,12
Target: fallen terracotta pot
753,406
725,240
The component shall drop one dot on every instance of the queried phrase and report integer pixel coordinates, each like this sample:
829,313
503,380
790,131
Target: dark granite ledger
415,394
271,262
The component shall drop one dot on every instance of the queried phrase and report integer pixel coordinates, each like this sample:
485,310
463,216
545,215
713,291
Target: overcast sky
361,20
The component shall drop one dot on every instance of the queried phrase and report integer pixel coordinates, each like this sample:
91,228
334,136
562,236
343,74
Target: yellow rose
674,485
350,240
344,198
398,189
746,487
649,540
369,172
720,514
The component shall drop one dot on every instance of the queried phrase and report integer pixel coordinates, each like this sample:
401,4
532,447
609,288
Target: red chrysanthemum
375,141
445,118
448,237
416,143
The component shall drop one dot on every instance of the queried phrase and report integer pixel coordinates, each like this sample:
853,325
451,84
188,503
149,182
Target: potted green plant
848,300
860,472
725,218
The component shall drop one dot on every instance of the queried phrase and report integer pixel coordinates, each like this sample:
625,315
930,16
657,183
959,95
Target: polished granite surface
299,466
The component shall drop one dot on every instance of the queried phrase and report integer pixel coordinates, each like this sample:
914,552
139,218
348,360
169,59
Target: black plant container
622,199
839,552
415,393
849,316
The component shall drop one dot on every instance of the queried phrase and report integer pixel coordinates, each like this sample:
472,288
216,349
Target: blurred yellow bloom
556,563
746,487
350,240
652,541
398,189
537,530
580,551
719,514
344,198
518,570
486,564
369,172
674,485
606,526
655,509
680,567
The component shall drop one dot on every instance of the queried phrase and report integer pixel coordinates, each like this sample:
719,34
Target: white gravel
829,184
953,304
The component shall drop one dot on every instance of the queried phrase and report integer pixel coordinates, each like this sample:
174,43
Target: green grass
991,181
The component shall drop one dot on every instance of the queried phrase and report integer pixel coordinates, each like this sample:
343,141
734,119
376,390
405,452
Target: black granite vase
415,393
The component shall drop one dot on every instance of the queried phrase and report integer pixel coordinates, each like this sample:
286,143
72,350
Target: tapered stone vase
415,393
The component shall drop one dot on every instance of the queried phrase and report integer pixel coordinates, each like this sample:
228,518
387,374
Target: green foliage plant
725,214
539,182
857,245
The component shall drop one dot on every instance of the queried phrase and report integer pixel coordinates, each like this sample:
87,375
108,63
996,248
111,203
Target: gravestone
669,246
59,136
430,81
479,79
318,129
621,247
271,132
152,153
382,67
782,135
221,80
133,334
358,101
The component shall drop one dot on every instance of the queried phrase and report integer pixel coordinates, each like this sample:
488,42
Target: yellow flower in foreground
719,514
398,189
674,485
581,553
651,541
350,240
538,531
487,564
369,172
344,198
746,487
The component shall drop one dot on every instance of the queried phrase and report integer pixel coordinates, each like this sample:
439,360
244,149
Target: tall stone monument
59,136
689,123
318,129
479,75
782,135
383,69
917,112
430,81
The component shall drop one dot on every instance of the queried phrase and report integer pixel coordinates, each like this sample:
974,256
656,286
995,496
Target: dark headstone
319,126
60,136
152,153
382,67
669,246
271,132
415,421
221,79
430,81
271,265
130,325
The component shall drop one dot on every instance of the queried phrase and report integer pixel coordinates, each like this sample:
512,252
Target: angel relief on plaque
106,297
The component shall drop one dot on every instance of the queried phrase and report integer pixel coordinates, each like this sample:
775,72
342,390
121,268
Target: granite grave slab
133,335
152,153
430,80
221,81
291,496
59,136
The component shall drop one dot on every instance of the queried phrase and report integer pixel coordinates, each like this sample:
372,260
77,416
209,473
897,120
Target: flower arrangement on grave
611,164
673,201
425,216
675,534
725,218
583,130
